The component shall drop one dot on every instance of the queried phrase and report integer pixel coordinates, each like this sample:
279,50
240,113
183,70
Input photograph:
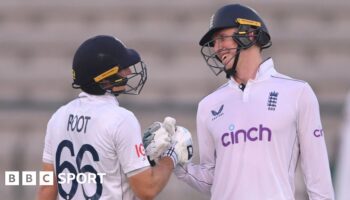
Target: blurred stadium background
311,41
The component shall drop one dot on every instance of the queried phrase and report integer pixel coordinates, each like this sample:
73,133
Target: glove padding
157,138
181,150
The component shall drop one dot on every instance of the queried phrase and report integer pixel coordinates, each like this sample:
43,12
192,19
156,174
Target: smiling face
225,47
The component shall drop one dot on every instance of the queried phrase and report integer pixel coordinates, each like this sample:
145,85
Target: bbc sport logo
13,178
30,178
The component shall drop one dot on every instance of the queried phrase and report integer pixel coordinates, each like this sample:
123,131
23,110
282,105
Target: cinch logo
318,132
218,113
253,134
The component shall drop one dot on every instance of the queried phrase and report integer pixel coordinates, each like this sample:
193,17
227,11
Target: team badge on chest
272,101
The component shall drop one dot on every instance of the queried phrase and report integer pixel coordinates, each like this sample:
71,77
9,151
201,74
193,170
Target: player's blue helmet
97,62
246,20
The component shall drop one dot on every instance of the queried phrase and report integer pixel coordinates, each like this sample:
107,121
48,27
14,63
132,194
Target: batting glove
181,150
157,138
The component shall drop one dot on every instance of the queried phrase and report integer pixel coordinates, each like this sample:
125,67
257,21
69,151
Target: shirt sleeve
343,165
197,176
200,176
48,151
313,151
128,145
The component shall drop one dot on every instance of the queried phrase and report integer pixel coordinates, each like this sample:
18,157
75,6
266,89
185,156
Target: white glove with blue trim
181,150
157,138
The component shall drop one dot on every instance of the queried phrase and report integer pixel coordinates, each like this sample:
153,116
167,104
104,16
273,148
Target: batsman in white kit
255,129
93,145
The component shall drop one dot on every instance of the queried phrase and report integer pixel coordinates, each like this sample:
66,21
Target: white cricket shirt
251,141
94,134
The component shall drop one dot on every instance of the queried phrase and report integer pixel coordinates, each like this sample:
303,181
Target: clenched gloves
157,139
167,139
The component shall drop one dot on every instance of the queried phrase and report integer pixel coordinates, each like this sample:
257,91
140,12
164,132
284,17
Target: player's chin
228,65
228,61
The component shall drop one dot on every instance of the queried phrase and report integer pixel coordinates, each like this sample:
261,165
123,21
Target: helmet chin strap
232,71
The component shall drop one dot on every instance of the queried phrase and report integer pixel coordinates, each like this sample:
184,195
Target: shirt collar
105,97
266,69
